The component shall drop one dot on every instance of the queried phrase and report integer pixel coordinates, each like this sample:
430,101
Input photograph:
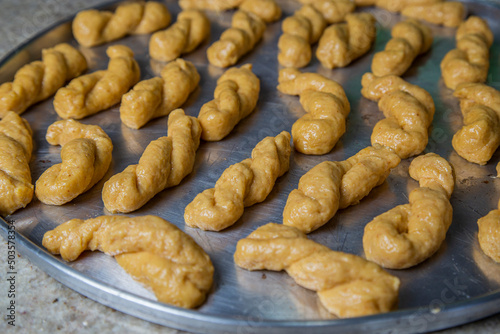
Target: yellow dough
489,234
86,156
241,185
333,11
164,163
300,30
411,233
449,13
93,27
479,138
470,61
395,5
97,91
410,38
192,28
158,96
347,285
330,186
235,97
342,43
326,105
217,5
38,80
267,10
16,144
408,109
153,251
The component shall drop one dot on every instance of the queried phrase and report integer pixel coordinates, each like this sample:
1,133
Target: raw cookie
489,234
449,13
394,6
217,5
333,11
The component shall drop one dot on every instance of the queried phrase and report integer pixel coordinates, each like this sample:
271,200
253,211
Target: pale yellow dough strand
449,13
333,11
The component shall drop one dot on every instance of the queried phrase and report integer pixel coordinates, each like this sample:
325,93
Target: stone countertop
43,305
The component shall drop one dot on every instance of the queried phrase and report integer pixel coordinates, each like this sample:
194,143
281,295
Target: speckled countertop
43,304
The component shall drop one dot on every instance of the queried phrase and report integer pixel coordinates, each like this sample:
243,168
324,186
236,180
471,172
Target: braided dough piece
479,138
449,13
326,105
235,97
93,27
395,6
411,233
330,186
268,10
16,144
192,28
347,285
86,156
470,61
216,5
39,80
299,32
153,251
408,109
410,38
97,91
158,96
333,11
342,43
164,163
241,185
489,234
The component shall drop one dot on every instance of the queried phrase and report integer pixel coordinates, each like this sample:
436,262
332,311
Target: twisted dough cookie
408,109
411,233
410,38
235,97
299,32
217,5
394,6
16,144
330,186
267,10
85,154
192,28
38,80
470,61
326,105
479,138
333,11
164,163
342,43
449,13
489,234
91,93
93,27
157,97
241,185
347,285
150,249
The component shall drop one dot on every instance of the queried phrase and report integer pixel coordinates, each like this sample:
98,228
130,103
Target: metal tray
457,285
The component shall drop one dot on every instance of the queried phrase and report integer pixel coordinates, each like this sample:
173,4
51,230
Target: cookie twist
489,234
158,96
347,285
192,28
153,251
267,10
299,32
330,186
333,11
470,61
16,144
449,13
342,43
164,163
479,138
411,233
86,156
410,38
408,109
245,31
235,97
241,185
217,5
326,105
93,27
395,6
97,91
38,80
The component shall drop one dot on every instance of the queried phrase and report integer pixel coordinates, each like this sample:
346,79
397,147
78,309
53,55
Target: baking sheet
457,285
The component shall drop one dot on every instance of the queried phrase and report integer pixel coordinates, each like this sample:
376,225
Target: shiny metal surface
458,284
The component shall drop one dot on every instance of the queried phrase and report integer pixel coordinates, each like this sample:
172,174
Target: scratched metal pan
457,285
